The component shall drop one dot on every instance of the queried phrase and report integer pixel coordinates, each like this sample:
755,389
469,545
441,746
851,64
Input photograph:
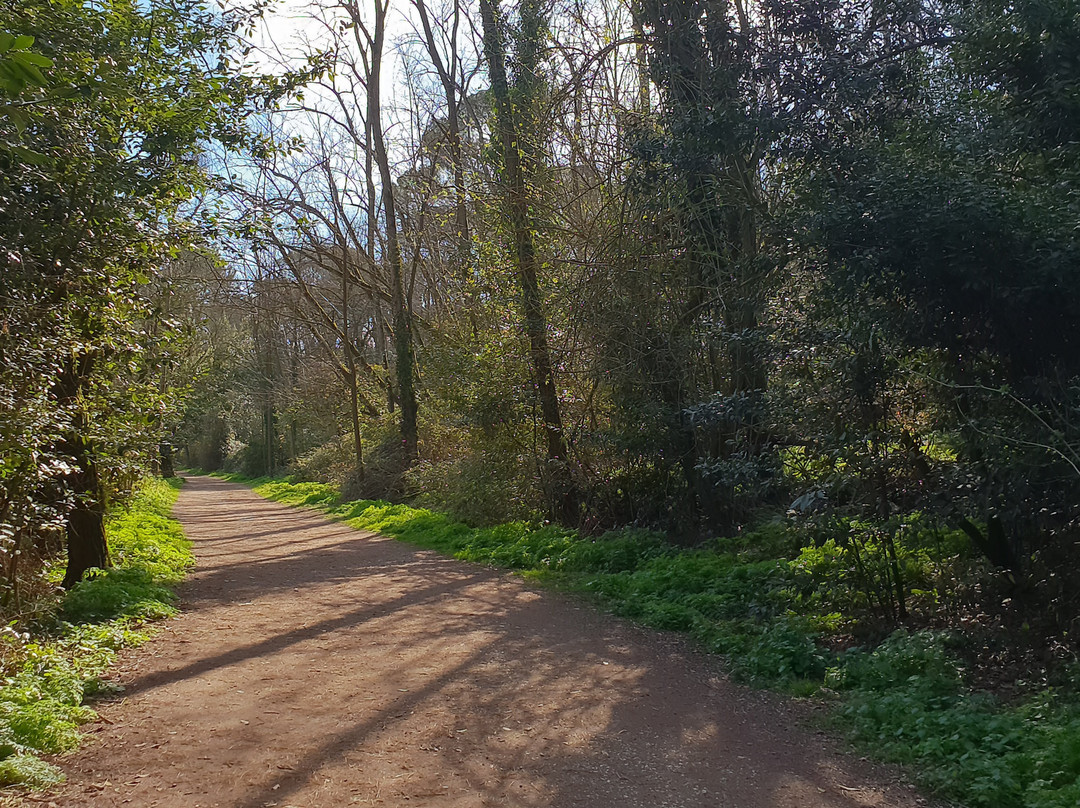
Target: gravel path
317,666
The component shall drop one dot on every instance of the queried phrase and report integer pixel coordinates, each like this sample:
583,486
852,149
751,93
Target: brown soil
315,665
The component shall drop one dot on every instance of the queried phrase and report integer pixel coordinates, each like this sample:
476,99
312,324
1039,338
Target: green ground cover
52,669
772,607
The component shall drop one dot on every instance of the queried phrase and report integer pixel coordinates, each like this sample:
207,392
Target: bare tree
369,39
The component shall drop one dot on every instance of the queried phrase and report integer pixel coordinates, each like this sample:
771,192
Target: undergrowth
54,667
750,598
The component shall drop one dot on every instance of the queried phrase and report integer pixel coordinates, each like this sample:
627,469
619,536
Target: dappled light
354,669
752,323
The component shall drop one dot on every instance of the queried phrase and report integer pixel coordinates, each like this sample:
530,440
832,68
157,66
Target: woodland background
799,275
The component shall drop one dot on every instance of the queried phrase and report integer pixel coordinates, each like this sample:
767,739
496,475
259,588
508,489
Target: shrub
330,463
484,488
885,569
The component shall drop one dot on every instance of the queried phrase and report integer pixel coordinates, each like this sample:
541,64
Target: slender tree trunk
448,73
461,207
294,379
403,334
350,368
644,99
263,338
743,248
513,146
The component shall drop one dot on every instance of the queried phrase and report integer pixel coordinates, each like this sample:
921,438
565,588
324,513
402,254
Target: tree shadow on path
320,666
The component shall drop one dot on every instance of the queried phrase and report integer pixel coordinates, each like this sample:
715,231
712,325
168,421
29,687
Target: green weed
142,536
43,691
29,771
131,592
906,701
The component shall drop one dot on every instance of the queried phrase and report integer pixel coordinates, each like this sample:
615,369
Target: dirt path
316,666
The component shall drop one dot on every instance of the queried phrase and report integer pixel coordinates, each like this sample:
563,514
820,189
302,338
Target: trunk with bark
84,524
87,547
165,455
514,142
403,334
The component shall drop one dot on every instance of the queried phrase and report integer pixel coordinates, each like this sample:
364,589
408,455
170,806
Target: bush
485,488
859,568
331,463
784,653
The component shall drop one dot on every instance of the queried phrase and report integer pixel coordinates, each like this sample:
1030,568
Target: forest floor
315,665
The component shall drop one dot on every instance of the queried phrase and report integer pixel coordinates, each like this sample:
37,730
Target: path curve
315,666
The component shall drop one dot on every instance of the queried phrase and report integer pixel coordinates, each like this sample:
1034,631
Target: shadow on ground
320,666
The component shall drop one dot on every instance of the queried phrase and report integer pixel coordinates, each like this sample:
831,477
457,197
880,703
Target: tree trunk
85,523
86,543
263,336
448,73
165,453
403,334
723,198
515,150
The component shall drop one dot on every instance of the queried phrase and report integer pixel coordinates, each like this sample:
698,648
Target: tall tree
370,40
516,126
93,207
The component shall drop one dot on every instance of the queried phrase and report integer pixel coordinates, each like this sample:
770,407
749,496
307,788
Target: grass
51,675
760,600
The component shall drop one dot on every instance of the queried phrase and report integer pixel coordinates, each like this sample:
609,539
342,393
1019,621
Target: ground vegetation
794,279
56,664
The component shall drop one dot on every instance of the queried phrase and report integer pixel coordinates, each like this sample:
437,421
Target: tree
113,145
441,41
516,130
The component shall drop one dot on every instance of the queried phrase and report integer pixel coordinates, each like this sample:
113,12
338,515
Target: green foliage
294,493
143,536
786,653
118,593
105,111
41,705
330,462
482,488
906,701
46,681
901,661
29,771
854,566
20,66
